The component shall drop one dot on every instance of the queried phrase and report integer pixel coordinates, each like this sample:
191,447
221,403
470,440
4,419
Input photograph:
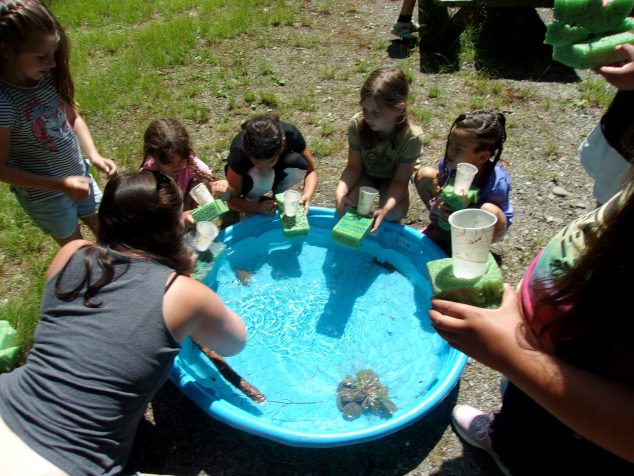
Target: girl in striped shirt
41,132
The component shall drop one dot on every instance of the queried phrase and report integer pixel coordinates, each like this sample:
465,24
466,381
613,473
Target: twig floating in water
232,376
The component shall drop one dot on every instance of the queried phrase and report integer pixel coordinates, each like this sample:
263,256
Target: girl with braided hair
476,138
167,148
41,132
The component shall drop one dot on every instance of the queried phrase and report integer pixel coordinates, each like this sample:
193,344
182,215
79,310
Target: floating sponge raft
351,229
209,211
483,291
586,32
457,201
292,226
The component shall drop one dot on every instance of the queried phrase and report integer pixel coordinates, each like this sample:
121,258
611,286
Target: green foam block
8,350
351,229
457,201
292,226
592,54
596,16
210,211
484,291
207,260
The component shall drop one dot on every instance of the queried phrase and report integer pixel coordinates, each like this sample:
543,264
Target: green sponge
210,211
351,229
207,259
483,291
292,226
594,53
8,351
598,17
457,201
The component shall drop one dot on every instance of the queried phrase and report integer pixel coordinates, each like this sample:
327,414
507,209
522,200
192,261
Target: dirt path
326,56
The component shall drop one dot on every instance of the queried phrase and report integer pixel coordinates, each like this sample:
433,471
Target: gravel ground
334,48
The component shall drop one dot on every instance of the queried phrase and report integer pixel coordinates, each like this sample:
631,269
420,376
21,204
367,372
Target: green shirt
382,160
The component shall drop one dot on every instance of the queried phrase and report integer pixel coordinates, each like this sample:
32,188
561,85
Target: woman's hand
490,336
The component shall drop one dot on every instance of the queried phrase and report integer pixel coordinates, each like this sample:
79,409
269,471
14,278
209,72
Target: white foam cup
465,173
291,201
366,200
471,235
201,194
206,232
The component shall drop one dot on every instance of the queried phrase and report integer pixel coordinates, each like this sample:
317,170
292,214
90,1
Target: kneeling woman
114,314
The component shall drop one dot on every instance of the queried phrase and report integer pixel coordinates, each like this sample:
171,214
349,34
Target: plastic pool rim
453,365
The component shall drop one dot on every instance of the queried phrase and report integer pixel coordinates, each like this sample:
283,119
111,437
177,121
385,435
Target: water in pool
317,312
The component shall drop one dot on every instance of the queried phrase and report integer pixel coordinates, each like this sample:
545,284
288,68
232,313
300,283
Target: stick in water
232,376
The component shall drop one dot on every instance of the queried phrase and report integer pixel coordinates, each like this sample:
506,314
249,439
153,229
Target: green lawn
132,61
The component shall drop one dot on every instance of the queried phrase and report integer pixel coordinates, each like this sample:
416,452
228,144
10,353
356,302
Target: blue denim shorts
57,215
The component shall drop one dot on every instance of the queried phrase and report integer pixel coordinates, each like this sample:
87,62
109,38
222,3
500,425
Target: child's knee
500,226
424,175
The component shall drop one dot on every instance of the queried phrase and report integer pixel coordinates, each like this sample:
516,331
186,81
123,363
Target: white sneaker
473,426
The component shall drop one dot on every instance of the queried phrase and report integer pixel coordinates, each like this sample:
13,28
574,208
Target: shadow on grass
506,43
186,441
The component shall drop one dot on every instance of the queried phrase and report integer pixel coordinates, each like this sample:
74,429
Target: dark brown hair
23,23
167,137
488,130
389,88
263,137
140,213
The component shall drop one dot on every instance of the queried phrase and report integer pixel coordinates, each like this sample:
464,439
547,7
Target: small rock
560,191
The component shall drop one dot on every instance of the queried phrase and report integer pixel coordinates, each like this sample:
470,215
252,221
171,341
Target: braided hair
167,137
263,137
23,24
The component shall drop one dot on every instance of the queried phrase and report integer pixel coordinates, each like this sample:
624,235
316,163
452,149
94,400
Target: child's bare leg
92,222
500,226
424,182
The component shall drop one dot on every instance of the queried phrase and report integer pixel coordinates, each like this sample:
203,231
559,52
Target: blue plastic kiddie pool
317,312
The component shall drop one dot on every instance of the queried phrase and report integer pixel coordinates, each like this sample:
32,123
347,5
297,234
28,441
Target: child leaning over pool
476,138
383,147
167,148
268,155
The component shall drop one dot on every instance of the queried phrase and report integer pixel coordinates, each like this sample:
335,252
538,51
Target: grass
131,64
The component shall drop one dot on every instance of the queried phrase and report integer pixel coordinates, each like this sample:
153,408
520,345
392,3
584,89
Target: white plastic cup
471,235
201,194
206,232
366,200
465,173
291,201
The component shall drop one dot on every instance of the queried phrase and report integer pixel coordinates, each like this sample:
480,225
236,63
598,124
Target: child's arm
76,186
80,127
396,193
595,407
349,178
310,182
239,204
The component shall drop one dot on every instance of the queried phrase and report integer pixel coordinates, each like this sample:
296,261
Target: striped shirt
42,140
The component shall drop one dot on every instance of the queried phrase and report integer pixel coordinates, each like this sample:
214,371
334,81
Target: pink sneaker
473,426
